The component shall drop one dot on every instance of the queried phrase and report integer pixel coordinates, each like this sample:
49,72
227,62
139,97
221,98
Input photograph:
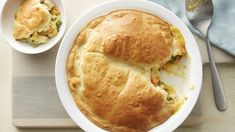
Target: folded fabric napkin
222,31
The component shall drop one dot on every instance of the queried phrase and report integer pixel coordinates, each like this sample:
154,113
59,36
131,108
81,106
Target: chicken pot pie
113,70
36,21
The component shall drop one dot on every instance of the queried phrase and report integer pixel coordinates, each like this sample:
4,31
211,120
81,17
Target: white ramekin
6,23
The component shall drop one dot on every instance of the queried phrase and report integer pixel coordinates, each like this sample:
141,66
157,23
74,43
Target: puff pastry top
112,70
34,18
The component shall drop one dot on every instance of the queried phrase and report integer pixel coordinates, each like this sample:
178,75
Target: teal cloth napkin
222,31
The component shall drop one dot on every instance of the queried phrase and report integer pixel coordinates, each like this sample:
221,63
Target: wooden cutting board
35,99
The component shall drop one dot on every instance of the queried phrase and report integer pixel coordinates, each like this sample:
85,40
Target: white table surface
222,121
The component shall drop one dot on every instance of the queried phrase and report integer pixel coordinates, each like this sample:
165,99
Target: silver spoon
197,12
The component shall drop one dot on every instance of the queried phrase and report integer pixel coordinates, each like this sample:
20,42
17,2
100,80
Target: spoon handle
220,100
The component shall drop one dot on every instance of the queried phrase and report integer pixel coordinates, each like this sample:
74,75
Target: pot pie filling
36,21
113,70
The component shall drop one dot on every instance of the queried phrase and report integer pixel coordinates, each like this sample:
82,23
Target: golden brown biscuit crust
110,71
31,16
134,37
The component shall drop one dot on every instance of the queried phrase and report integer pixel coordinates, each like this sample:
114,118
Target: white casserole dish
195,73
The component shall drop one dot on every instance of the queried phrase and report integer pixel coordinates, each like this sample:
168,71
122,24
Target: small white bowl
194,75
6,23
